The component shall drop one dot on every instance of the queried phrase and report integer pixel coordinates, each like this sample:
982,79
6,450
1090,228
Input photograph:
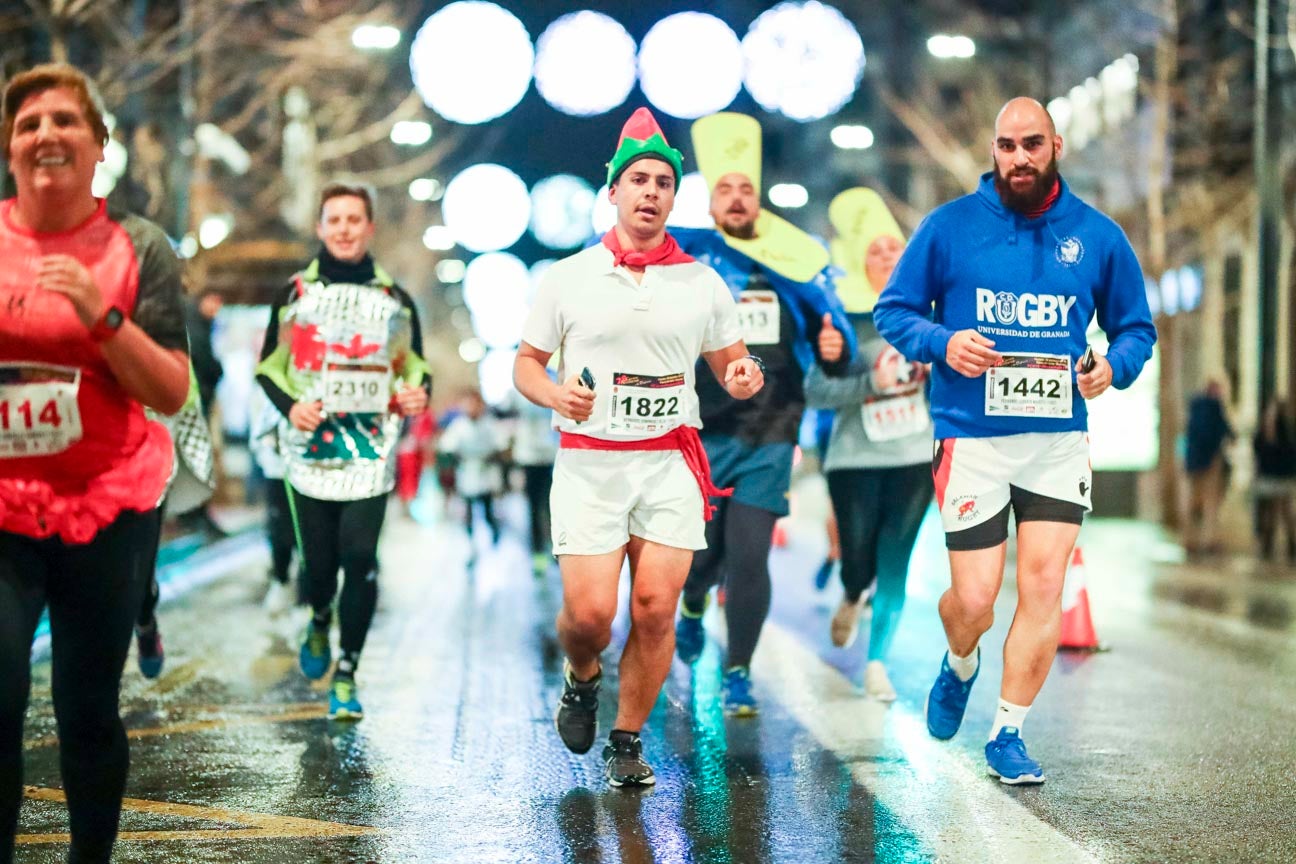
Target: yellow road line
302,711
252,826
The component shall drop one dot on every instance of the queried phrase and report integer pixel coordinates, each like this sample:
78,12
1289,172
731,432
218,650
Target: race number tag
1029,385
356,388
887,418
38,409
758,314
645,404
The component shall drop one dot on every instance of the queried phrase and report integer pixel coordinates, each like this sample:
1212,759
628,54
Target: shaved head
1024,111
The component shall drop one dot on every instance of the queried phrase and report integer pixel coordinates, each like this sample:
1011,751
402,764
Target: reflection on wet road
1174,746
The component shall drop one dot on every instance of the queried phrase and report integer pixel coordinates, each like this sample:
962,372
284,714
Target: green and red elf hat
642,138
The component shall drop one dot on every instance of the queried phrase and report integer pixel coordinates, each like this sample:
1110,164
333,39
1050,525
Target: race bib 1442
1029,385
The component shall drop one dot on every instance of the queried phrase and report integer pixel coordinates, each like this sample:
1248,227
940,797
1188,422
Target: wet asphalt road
1176,745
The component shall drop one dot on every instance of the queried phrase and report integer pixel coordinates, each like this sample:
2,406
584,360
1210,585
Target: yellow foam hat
729,143
859,216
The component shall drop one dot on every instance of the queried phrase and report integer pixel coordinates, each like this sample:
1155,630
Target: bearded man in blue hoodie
996,290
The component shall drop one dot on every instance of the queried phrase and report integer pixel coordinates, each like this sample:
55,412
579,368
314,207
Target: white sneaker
845,622
278,598
876,683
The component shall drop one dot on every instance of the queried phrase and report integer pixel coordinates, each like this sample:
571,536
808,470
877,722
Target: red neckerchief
667,252
1048,202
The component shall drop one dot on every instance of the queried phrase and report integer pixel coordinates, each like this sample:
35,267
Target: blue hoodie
1029,285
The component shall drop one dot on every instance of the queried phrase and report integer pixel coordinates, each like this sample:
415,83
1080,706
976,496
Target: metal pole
1268,116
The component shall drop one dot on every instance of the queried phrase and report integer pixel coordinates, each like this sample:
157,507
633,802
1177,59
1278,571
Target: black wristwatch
108,325
760,364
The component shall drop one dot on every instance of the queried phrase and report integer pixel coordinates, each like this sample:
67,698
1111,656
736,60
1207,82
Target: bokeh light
495,290
561,207
471,61
495,374
585,64
486,207
690,64
803,60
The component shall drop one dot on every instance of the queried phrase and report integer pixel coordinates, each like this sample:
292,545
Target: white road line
960,814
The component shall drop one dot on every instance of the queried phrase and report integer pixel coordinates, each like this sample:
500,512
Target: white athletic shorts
1044,476
600,498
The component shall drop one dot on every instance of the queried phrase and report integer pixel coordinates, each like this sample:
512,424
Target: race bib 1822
645,404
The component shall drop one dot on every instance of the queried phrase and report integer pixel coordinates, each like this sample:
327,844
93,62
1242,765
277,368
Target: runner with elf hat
631,316
777,274
879,454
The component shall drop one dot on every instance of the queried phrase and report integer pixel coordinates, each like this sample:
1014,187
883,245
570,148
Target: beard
739,226
1031,198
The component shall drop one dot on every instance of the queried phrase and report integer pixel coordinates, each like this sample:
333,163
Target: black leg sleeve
360,526
856,502
705,570
748,532
319,530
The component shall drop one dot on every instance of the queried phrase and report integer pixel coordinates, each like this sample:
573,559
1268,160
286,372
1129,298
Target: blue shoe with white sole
948,700
1006,758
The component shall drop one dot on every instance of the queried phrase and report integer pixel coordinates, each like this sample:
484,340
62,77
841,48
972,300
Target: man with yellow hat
630,316
879,454
777,274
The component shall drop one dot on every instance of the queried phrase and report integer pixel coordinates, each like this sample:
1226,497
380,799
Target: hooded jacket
1029,285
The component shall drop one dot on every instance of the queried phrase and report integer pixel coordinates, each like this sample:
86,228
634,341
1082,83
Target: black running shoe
577,717
623,756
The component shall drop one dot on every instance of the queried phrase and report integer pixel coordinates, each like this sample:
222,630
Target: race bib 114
38,409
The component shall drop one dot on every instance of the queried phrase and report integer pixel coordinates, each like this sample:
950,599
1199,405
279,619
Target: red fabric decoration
682,438
667,252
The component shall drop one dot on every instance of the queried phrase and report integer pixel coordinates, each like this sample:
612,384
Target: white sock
1008,714
965,667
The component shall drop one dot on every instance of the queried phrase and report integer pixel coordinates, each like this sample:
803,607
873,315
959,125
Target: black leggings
879,512
344,534
279,530
148,563
738,545
539,480
93,594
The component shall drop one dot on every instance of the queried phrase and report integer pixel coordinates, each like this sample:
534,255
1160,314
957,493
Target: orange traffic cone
1077,625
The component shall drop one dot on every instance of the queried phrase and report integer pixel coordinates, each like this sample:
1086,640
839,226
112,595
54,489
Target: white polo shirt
641,341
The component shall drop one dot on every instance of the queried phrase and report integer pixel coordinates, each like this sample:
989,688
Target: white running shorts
600,498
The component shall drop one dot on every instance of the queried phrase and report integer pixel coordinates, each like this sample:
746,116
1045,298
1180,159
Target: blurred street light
946,47
375,37
788,195
426,189
852,137
411,133
438,238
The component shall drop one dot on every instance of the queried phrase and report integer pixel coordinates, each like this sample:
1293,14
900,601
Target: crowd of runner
663,378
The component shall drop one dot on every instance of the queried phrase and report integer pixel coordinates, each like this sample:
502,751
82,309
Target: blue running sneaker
738,698
150,654
690,638
343,703
315,655
948,700
1006,758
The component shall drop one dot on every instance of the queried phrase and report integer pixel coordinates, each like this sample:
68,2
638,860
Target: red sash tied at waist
685,439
